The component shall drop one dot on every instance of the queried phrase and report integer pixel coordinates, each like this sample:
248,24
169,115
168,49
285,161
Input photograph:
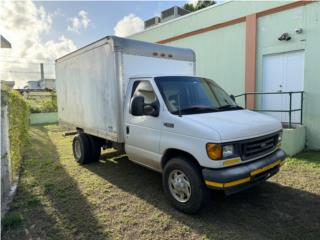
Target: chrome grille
256,147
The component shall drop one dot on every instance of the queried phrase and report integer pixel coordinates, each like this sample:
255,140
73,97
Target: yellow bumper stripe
265,168
243,180
237,182
228,184
214,184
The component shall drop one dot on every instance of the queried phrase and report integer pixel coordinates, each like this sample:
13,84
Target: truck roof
135,47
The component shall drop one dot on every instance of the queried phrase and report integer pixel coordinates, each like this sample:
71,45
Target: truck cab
189,129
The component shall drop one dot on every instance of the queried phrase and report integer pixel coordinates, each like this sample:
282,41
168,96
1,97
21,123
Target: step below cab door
143,133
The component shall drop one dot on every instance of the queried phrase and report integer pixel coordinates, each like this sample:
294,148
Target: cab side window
145,89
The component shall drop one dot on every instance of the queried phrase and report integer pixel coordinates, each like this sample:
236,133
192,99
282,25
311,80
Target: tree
200,4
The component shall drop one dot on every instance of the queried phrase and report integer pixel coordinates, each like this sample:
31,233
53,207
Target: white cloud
128,25
193,2
24,25
80,22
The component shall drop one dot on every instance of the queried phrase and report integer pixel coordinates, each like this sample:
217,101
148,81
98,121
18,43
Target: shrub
43,104
18,118
11,220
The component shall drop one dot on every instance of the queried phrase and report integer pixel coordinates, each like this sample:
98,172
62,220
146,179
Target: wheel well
170,153
79,130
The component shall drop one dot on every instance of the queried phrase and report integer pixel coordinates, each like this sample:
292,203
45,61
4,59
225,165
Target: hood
237,125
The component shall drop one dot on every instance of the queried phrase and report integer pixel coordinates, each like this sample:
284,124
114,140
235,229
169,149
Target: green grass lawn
116,199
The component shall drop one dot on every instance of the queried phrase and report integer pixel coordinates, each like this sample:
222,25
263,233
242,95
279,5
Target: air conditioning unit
151,22
172,13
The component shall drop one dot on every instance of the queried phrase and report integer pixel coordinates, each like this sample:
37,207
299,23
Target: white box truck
145,100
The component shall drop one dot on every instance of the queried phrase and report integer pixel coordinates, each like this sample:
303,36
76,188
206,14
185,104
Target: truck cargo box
92,81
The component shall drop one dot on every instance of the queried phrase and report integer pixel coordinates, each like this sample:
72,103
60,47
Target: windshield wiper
196,110
229,106
207,109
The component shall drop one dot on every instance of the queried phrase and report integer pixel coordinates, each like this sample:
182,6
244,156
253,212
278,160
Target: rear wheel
183,185
96,144
81,147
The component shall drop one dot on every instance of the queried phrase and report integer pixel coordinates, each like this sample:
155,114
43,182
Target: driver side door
143,133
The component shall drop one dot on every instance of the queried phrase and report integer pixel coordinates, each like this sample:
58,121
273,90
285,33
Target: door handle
168,125
127,129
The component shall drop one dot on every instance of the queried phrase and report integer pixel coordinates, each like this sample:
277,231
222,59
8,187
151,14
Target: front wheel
183,185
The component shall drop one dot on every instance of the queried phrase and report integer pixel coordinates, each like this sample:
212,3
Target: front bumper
241,177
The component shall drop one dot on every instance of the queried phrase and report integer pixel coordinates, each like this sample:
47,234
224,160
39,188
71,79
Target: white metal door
283,73
143,132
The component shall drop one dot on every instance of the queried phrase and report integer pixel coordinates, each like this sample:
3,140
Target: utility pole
42,75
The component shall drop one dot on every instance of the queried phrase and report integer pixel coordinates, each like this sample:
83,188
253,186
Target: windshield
191,95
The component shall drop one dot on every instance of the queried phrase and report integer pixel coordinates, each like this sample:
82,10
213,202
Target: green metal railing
289,111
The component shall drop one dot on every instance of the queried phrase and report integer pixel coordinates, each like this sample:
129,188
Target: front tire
183,185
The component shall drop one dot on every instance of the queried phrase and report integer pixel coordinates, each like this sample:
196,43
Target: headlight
227,151
217,152
214,151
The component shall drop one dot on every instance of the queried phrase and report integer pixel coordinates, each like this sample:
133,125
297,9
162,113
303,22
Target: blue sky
42,31
103,15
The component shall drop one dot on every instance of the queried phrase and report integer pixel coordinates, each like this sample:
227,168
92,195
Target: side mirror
137,106
233,97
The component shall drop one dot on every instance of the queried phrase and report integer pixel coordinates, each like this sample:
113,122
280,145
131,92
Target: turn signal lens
214,151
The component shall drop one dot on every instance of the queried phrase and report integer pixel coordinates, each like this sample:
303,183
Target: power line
17,57
33,72
21,62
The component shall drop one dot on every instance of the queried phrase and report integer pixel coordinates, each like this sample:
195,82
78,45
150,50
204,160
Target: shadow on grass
269,210
17,223
48,199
